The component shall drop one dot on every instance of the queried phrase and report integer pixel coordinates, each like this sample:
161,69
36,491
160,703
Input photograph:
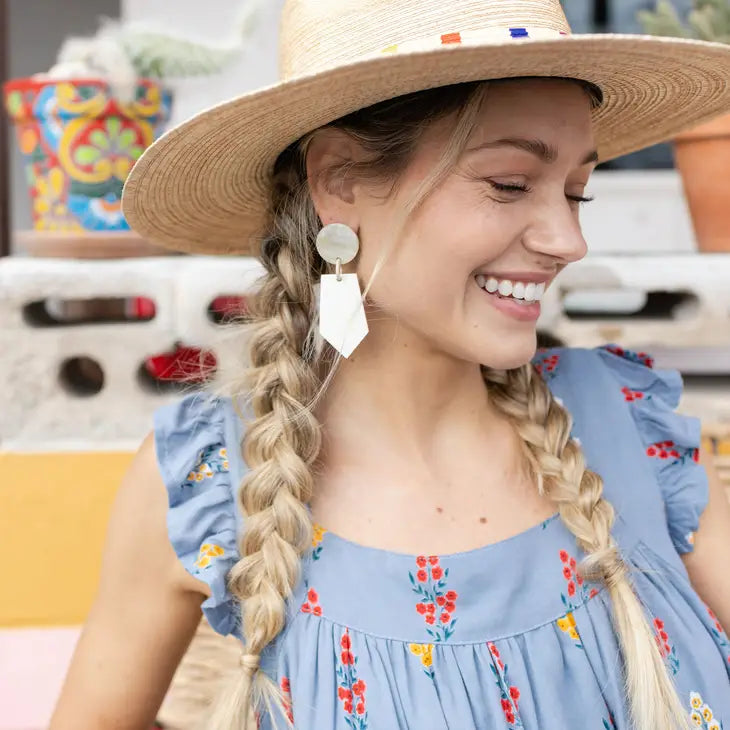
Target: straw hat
204,186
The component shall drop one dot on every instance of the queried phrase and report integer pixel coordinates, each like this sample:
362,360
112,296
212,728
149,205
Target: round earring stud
337,241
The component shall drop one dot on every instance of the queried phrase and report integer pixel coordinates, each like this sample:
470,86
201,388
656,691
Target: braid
558,465
280,447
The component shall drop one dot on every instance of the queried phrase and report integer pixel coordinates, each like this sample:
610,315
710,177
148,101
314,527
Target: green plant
709,20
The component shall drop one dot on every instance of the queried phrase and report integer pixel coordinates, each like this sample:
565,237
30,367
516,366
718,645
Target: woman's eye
509,189
579,199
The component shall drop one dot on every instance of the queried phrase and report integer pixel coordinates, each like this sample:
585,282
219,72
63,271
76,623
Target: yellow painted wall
54,509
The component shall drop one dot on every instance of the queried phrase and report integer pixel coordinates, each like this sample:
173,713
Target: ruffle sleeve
669,439
193,442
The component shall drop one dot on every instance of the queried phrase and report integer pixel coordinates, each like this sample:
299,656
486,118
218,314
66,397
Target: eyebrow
545,152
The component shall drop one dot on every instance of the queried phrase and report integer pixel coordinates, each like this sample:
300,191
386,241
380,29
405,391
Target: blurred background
99,327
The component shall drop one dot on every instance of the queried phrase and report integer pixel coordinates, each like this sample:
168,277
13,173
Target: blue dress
501,637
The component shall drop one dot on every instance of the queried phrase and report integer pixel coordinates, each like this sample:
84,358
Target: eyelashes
514,190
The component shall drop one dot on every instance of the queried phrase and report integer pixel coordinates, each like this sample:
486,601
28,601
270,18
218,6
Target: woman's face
505,218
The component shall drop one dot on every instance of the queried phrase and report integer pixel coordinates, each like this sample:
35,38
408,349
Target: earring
342,319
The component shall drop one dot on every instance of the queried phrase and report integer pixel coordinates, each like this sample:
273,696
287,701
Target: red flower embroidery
286,699
509,694
632,395
351,689
575,582
669,451
430,585
311,605
421,561
666,649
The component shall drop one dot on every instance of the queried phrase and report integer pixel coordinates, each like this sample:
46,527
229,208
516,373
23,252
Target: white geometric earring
342,320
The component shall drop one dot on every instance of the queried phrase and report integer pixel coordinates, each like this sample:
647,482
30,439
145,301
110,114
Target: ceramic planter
79,143
702,156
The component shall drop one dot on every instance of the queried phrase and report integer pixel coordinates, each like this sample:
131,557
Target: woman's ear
329,157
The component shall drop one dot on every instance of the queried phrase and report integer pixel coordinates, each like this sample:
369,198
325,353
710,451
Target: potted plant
82,125
702,154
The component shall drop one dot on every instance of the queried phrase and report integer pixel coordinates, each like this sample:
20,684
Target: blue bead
519,33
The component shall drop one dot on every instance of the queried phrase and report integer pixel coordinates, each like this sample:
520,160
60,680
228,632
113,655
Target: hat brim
204,185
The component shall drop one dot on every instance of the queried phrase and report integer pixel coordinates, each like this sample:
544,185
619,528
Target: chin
509,353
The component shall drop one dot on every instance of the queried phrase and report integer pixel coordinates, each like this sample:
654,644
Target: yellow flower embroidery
208,551
425,651
696,718
567,624
706,713
223,453
317,534
695,700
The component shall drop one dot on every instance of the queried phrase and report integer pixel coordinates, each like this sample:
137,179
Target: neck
399,393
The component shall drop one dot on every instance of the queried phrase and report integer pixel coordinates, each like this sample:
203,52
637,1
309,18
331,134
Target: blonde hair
290,367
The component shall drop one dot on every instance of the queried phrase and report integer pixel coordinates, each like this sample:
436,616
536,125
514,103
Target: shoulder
623,404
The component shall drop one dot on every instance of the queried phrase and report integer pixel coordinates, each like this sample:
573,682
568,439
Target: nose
556,233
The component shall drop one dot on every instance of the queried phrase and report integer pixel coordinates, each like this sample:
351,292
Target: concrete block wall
36,408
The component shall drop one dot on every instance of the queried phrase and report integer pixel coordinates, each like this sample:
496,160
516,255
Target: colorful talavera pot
79,143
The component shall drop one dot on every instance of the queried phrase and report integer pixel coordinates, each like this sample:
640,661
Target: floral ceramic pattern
207,555
92,140
545,364
425,653
351,689
437,605
286,703
211,460
701,715
318,533
666,648
641,358
311,605
509,694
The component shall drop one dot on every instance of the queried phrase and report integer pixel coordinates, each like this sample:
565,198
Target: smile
519,291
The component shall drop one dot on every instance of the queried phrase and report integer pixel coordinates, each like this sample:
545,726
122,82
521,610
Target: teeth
517,290
505,287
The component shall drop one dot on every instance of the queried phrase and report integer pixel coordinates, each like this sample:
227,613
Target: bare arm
708,563
144,616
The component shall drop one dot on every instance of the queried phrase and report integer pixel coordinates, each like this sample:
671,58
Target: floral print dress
504,636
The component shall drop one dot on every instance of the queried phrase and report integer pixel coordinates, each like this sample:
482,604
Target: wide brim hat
204,186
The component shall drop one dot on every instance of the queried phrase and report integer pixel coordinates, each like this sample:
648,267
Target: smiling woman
405,532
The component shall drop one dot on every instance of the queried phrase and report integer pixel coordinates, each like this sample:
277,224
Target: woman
466,570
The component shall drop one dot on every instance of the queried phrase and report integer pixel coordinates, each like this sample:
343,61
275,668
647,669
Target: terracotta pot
79,143
702,156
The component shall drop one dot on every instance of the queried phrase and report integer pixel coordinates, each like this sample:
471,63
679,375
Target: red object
188,364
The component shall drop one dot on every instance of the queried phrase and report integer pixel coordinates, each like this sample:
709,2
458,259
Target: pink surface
33,663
